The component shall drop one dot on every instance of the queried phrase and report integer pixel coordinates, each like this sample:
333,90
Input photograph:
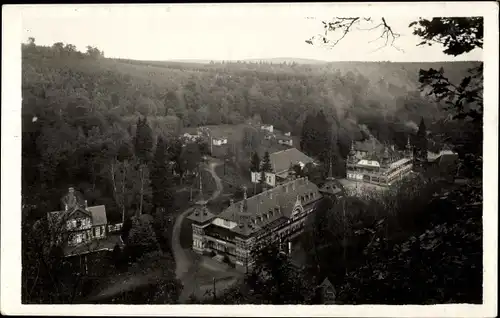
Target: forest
81,98
109,127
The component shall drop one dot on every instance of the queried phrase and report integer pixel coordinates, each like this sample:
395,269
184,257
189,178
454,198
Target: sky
231,32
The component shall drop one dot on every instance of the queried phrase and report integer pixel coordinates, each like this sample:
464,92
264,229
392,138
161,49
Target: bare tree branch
346,24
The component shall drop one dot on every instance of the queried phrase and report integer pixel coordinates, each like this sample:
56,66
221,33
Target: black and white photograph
316,154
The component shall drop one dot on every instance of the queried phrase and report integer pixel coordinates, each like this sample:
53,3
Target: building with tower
275,215
381,166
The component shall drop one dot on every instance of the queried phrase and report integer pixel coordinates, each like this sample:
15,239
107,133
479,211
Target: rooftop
255,213
332,187
399,162
201,214
369,163
73,202
282,160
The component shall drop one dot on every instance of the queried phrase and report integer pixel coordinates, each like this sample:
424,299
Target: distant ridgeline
194,94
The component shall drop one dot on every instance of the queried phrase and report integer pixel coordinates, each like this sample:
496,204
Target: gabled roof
98,214
61,216
326,284
282,160
331,187
272,206
201,214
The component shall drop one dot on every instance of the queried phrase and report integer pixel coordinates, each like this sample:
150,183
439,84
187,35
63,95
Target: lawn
235,134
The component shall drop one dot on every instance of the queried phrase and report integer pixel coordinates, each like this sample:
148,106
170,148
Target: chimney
231,201
65,207
86,206
293,185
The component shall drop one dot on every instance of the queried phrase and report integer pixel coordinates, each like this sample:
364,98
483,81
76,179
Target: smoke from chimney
412,125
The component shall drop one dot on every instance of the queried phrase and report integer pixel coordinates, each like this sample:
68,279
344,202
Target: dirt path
125,284
182,263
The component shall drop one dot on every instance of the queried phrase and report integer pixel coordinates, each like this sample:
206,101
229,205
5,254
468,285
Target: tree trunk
123,195
142,190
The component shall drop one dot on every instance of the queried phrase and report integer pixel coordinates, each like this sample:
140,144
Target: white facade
270,178
219,141
224,223
269,128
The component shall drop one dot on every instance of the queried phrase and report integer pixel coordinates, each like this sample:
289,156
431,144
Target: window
98,231
78,223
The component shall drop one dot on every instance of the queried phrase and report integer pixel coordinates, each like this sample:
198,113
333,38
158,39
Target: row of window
295,218
77,238
307,197
77,223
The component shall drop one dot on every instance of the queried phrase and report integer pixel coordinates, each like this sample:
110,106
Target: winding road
182,263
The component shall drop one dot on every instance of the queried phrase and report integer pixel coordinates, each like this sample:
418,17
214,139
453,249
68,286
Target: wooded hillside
79,100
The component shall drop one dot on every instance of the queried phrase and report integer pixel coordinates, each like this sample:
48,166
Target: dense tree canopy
94,122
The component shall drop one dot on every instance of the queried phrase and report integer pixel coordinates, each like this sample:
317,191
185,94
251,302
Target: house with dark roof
78,224
275,215
281,161
443,165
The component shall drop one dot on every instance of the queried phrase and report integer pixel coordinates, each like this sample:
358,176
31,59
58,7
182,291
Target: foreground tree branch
344,25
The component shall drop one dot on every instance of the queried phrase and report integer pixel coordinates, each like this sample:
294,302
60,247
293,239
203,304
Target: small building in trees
269,128
328,294
78,227
275,215
280,162
191,137
443,165
219,141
